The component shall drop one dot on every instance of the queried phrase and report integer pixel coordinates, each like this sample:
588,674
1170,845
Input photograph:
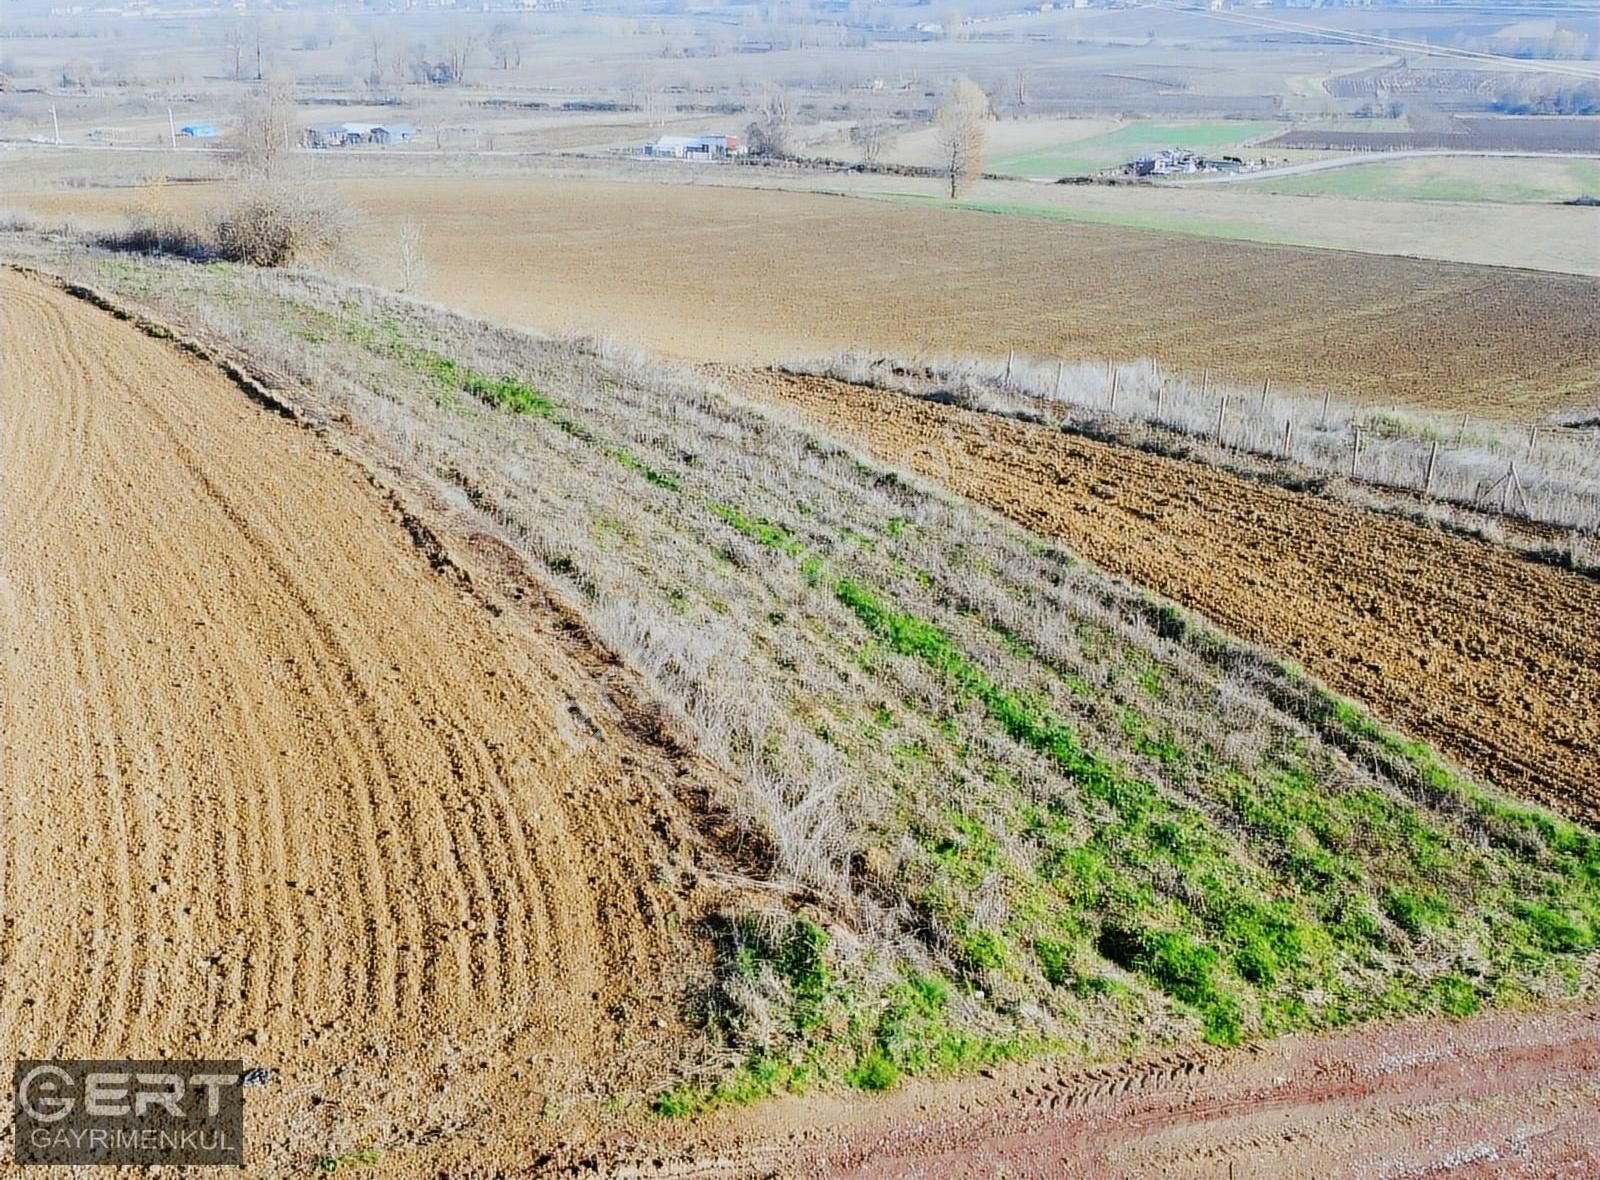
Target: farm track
1494,659
1503,1095
271,787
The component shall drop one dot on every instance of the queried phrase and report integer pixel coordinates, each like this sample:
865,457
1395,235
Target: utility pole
57,121
172,129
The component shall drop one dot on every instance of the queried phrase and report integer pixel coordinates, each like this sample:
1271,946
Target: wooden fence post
1288,435
1355,455
1326,394
1116,374
1427,480
1505,491
1266,388
1161,399
1061,367
1461,431
1205,382
1011,358
1533,438
1222,408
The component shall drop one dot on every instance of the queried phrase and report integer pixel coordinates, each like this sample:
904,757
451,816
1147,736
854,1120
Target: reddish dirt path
272,787
1505,1095
1493,658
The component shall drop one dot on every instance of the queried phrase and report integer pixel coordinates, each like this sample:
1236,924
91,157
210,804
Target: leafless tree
408,246
460,55
769,133
233,42
505,44
961,124
265,130
871,136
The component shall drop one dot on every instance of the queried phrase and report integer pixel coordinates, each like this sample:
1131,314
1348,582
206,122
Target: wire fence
1543,472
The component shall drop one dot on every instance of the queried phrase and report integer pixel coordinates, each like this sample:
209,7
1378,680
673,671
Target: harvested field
273,788
614,258
1492,658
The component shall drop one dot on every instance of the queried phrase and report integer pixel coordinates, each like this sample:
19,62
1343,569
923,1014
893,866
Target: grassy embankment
1012,804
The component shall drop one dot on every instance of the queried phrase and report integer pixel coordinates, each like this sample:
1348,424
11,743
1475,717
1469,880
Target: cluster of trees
1540,98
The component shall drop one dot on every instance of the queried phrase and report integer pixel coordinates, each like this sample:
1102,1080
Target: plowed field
1494,659
708,273
272,787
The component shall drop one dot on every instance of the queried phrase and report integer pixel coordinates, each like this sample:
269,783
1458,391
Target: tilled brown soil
784,275
1505,1095
1493,658
272,787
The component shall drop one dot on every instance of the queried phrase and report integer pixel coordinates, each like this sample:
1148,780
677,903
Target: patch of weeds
1556,929
366,1157
631,462
875,1071
1455,996
978,951
764,532
797,953
1181,966
914,1035
1055,962
1416,911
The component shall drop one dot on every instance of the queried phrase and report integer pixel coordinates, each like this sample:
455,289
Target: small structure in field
1182,161
326,135
386,133
199,130
695,147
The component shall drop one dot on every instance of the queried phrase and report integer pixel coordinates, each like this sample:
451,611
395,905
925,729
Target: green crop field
1129,141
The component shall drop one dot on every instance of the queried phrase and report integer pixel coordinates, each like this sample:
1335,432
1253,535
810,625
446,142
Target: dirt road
1493,658
272,787
1509,1095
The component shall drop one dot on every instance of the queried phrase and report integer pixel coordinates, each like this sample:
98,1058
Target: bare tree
382,54
871,136
233,42
408,246
265,131
961,126
460,54
769,133
505,45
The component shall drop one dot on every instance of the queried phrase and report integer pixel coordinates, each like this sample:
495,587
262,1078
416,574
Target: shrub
147,234
277,224
875,1071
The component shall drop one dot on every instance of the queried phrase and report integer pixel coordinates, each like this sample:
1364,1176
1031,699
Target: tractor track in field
275,785
1503,1095
1493,658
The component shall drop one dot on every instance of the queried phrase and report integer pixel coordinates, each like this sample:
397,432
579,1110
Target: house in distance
695,147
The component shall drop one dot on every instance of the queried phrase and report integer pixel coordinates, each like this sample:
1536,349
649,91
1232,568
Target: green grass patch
631,462
764,532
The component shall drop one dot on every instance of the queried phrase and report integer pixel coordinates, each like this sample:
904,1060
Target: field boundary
1437,460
